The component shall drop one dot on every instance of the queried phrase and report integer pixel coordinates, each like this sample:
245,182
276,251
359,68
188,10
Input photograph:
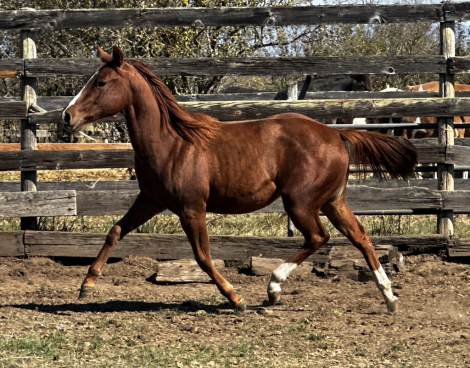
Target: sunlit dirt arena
130,322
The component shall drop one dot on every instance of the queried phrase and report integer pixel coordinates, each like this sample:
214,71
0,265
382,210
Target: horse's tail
379,152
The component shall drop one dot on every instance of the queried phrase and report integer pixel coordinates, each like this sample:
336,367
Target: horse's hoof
85,291
392,306
274,298
240,306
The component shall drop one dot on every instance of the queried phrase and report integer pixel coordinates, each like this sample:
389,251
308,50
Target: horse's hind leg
315,234
140,212
343,219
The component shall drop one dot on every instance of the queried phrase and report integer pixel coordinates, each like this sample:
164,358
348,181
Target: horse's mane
195,128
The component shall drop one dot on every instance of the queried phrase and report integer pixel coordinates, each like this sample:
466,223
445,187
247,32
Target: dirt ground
320,323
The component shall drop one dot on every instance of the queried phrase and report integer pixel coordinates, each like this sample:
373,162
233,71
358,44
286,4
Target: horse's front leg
194,225
140,212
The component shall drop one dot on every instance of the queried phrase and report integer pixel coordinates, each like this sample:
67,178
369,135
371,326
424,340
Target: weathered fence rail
65,244
318,109
115,199
105,198
132,185
10,68
256,16
117,158
13,109
253,66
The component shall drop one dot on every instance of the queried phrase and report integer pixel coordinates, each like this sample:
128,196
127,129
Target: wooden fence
431,196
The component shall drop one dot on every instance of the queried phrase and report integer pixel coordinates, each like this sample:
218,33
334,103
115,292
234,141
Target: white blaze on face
79,93
279,275
384,284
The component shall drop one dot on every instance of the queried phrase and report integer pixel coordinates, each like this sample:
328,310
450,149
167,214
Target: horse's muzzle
66,118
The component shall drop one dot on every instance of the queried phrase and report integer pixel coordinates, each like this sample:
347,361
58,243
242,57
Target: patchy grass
397,347
298,326
29,346
60,350
316,336
211,300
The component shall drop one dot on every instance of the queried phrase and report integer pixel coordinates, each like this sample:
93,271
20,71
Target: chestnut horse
192,164
434,87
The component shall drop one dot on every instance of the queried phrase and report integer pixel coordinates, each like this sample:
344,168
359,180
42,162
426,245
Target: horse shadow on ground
123,306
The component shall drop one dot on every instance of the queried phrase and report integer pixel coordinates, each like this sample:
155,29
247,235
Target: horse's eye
101,83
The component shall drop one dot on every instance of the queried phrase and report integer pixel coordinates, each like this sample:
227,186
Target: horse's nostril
66,117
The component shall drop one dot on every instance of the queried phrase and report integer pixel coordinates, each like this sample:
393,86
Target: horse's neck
147,134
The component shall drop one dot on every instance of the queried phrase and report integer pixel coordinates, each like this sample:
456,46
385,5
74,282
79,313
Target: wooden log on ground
183,271
348,261
260,266
54,203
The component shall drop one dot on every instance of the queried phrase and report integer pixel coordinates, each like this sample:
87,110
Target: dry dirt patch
130,322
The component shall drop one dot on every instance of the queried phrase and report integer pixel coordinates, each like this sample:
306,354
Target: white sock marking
384,284
279,275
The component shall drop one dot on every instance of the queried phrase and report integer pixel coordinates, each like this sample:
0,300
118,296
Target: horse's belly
243,200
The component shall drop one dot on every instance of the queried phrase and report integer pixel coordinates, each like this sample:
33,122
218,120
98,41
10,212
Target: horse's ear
118,56
104,56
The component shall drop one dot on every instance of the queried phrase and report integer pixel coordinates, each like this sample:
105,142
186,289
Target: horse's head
105,94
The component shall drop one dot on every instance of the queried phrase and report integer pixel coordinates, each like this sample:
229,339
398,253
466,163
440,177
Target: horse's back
255,162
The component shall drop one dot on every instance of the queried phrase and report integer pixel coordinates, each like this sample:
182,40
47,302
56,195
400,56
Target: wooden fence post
292,92
445,172
28,131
